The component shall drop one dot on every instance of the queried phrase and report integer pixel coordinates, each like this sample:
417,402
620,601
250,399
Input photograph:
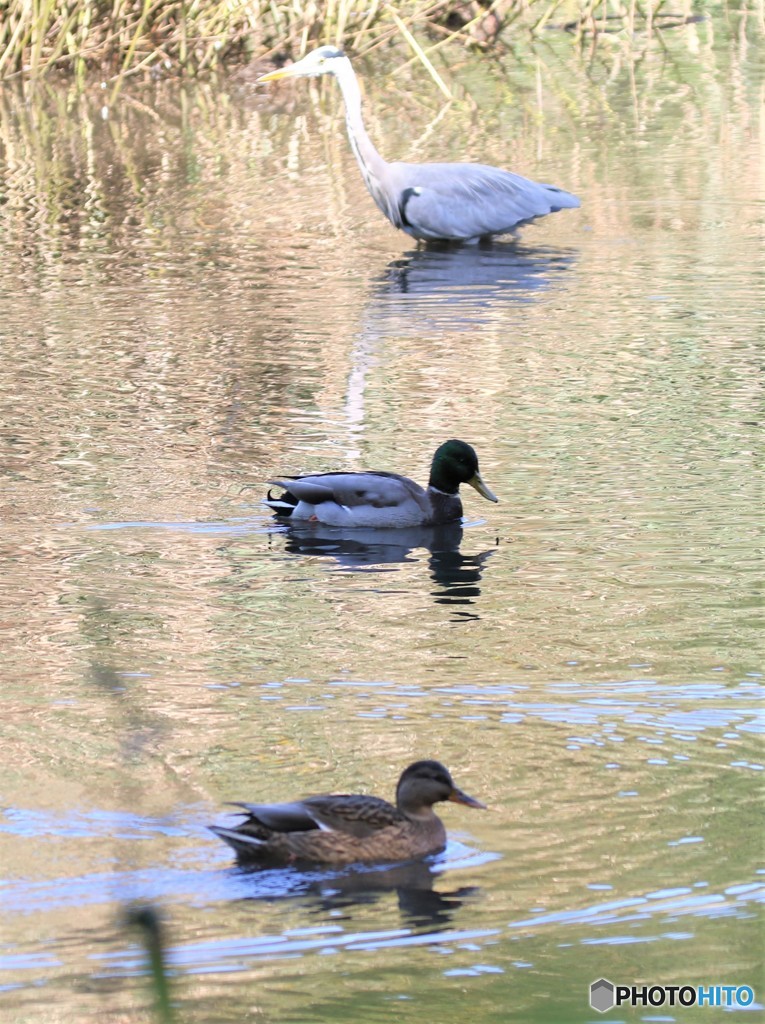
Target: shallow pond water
199,295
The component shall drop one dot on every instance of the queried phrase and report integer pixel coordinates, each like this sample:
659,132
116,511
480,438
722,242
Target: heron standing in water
454,202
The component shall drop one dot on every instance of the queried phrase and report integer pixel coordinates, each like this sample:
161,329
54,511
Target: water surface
199,295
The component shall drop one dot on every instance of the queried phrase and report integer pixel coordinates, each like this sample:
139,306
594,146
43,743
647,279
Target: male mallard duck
384,499
342,829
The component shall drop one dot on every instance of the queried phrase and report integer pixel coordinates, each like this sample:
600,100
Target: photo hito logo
604,995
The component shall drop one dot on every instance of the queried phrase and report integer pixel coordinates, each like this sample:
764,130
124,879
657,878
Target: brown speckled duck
349,829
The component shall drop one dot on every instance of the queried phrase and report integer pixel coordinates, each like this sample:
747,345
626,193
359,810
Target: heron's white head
324,60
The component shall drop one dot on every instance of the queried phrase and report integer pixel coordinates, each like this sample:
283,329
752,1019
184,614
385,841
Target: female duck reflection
420,902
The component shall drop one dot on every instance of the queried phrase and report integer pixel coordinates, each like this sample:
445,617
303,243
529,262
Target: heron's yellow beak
482,489
272,76
306,67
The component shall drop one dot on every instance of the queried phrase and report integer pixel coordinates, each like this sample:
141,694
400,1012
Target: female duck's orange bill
458,797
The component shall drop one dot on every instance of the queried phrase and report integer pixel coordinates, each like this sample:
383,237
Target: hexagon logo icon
602,995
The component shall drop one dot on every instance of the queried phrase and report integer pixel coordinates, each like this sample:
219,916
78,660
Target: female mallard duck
384,499
341,829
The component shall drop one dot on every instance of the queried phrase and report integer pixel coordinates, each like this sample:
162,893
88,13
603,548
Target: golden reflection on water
199,295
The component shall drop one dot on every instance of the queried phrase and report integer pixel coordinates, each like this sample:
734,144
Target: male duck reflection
384,499
349,829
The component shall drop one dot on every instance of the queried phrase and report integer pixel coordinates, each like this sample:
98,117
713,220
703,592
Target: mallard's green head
455,463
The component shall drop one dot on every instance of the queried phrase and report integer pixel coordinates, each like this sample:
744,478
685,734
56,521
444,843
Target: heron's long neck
371,163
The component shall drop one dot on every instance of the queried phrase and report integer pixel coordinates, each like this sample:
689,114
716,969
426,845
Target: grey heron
454,202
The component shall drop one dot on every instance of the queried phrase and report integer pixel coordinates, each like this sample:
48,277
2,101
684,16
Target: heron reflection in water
458,289
452,202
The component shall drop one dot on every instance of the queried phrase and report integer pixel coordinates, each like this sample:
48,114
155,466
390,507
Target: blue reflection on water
461,288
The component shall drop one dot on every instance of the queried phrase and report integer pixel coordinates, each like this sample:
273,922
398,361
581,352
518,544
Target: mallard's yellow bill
482,489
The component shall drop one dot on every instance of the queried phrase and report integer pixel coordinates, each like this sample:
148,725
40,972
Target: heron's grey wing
359,816
470,200
378,490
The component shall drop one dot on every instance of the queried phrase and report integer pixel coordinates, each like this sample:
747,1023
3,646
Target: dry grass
189,37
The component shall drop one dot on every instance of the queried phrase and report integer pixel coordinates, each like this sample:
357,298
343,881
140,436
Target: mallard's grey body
369,499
